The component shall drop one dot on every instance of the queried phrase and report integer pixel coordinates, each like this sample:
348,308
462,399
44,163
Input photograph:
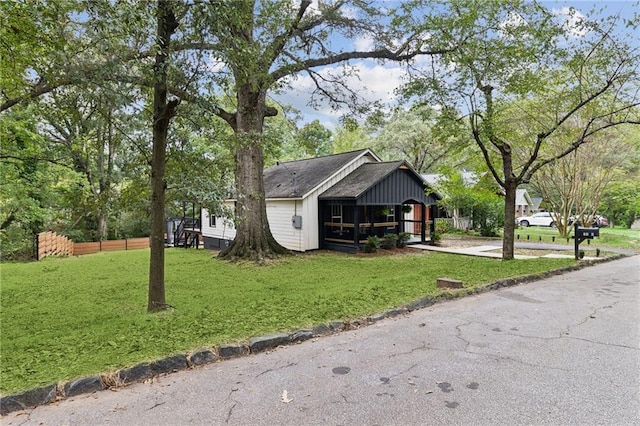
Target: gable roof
523,198
295,179
391,182
361,179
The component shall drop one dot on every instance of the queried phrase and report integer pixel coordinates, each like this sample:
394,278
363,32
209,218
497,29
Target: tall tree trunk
163,111
509,221
254,240
510,188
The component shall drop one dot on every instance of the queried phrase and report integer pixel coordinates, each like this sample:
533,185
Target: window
212,221
336,213
391,213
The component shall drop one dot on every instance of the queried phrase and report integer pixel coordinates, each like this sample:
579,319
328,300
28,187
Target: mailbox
581,234
587,232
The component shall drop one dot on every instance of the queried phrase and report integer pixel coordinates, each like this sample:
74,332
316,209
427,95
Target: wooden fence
50,244
111,245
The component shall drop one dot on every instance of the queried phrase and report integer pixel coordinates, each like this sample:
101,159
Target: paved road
565,350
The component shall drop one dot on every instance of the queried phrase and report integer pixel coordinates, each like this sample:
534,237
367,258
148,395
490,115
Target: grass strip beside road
72,317
609,237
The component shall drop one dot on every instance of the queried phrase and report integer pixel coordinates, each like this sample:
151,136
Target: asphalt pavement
564,350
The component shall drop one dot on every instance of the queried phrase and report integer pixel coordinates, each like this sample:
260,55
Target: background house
461,218
336,202
524,204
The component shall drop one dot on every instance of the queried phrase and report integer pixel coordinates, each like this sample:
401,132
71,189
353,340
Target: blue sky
377,82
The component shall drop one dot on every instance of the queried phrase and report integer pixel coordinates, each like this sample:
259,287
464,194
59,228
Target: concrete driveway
564,350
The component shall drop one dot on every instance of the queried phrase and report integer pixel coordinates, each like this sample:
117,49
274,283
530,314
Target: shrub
443,226
372,244
436,237
389,241
403,239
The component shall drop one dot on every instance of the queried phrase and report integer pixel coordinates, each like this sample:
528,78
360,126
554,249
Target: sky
378,82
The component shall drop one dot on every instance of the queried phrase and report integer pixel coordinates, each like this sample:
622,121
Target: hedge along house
336,202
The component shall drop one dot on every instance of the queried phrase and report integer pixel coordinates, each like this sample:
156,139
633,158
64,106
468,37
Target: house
336,202
461,218
524,204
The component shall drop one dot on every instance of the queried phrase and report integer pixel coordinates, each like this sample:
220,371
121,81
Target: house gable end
300,178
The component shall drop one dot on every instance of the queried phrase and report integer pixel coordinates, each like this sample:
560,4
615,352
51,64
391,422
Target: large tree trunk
254,240
163,111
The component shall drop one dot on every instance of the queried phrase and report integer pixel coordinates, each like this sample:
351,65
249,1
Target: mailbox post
580,234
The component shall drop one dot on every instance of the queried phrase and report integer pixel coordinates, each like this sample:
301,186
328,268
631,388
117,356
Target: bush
403,239
372,244
389,241
436,237
443,226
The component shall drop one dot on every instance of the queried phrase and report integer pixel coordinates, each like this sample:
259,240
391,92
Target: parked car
598,221
537,219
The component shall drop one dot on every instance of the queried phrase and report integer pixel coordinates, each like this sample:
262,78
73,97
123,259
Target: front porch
346,227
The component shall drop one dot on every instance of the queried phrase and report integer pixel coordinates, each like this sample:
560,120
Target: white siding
224,228
279,215
281,212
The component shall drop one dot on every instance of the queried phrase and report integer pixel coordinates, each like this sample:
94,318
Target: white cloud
364,43
374,83
573,20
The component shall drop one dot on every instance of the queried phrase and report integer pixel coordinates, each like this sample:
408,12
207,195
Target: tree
575,184
26,190
314,140
349,136
164,110
621,202
87,127
262,44
477,199
521,64
418,135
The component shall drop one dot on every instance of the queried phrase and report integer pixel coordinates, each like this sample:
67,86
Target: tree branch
344,56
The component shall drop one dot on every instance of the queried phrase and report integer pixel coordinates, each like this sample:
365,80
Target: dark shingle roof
361,179
296,178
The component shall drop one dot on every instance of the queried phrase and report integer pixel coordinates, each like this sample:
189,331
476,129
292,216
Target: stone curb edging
58,391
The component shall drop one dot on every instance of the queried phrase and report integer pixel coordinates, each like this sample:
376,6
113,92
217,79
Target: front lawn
70,317
609,237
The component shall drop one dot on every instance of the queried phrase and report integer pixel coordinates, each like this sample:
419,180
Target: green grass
609,237
71,317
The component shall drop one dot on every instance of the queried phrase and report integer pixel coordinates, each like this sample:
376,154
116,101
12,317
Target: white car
537,219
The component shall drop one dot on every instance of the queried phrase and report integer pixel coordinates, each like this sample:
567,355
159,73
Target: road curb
85,385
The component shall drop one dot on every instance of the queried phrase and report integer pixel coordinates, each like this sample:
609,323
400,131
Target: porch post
434,212
356,227
423,231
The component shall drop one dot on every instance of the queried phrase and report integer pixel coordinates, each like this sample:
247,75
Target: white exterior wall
224,228
280,213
